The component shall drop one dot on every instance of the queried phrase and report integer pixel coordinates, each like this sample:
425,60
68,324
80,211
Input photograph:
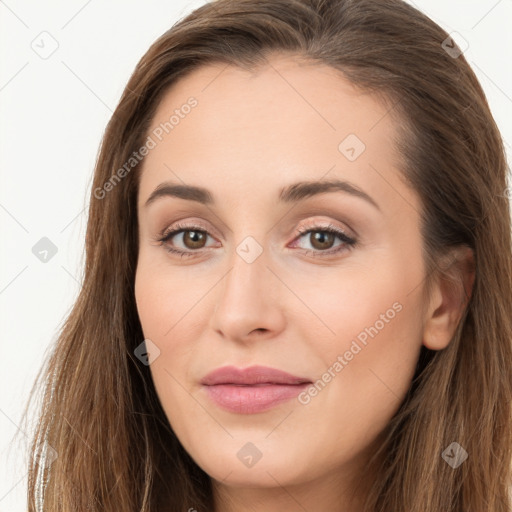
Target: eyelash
348,242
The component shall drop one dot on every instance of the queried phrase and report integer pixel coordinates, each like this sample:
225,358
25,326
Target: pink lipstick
251,390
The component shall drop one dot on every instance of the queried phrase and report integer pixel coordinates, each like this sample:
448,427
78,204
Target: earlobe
450,296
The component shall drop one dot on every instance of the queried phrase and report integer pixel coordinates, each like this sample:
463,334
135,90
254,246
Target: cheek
166,297
375,307
364,381
369,357
172,309
166,307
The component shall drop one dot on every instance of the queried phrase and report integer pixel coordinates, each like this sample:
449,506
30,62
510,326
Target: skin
250,135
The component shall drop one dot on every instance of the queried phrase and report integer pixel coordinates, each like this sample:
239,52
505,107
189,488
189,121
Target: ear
450,294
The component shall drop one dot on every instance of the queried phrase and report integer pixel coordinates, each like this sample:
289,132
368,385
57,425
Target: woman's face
261,283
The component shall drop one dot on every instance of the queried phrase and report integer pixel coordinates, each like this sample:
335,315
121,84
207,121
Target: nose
249,301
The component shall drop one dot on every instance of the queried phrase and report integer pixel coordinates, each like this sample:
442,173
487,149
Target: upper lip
251,375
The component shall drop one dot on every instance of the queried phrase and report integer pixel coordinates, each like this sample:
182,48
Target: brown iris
196,239
322,239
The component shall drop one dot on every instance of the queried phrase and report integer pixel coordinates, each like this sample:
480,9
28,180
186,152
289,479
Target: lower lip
252,399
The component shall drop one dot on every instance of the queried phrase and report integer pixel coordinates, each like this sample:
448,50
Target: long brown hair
100,412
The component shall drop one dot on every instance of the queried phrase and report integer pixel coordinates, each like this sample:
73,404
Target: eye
322,239
193,238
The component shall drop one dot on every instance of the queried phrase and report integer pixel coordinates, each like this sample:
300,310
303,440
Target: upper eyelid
316,224
191,224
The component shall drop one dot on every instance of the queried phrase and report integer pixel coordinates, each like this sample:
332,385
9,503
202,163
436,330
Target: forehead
285,121
305,97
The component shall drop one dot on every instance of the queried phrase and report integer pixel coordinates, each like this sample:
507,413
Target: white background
53,114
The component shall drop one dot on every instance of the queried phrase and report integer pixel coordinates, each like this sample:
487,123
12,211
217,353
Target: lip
251,375
253,389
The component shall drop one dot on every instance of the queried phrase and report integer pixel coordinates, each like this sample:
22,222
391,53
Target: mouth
251,390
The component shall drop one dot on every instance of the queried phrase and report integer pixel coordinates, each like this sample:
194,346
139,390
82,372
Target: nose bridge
249,247
249,272
243,303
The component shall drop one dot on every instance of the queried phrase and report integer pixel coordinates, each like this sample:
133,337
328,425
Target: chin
234,467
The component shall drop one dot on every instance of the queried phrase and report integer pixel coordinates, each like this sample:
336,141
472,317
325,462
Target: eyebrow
290,194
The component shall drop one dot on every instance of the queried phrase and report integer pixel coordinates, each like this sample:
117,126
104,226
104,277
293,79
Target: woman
212,360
